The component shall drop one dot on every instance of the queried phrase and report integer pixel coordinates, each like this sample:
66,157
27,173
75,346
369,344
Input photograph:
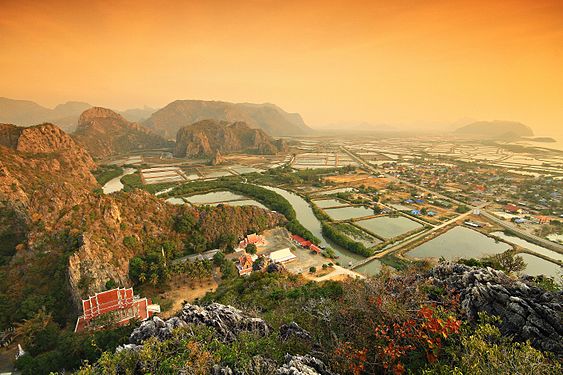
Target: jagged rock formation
496,129
303,365
293,329
206,138
27,113
268,117
527,312
217,158
103,133
227,321
51,212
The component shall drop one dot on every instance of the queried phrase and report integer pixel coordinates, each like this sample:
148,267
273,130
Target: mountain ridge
496,129
268,117
207,138
104,132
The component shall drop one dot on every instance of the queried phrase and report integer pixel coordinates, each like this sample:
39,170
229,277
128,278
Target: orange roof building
245,263
120,302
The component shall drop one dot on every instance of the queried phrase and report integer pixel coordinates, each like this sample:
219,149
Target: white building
282,256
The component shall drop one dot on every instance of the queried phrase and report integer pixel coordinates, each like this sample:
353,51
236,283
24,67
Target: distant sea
557,145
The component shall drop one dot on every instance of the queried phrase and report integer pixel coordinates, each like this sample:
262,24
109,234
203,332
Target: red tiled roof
112,300
315,248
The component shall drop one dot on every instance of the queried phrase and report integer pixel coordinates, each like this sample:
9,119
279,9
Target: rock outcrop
293,329
227,321
527,312
104,132
217,158
303,365
207,138
268,117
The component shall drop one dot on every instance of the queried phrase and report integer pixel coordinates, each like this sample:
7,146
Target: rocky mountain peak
90,115
104,132
206,138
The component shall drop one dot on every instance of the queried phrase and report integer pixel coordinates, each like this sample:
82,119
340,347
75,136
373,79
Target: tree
313,269
251,248
218,258
507,262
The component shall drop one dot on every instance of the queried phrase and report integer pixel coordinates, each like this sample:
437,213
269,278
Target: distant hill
138,114
268,117
496,129
104,132
27,113
209,137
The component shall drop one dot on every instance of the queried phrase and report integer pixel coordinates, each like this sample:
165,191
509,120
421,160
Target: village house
245,263
301,242
254,239
119,305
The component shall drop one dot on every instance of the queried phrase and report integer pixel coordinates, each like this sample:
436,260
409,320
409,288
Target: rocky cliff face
58,235
103,133
206,138
527,312
268,117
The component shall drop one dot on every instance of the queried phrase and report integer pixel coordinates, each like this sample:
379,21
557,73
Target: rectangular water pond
216,196
358,235
459,242
537,266
389,227
329,203
350,212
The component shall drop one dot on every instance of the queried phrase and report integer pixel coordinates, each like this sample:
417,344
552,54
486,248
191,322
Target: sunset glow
401,62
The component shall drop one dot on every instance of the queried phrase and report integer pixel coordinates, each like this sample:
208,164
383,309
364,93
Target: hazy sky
399,62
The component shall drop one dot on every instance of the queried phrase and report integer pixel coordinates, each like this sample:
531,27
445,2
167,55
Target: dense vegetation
269,198
385,324
105,173
51,348
288,176
332,232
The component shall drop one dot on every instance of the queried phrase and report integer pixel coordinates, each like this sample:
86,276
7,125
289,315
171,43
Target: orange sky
399,62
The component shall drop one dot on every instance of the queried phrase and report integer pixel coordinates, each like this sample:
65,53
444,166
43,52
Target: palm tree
142,277
154,279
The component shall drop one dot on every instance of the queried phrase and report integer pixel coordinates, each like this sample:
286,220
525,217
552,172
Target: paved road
339,271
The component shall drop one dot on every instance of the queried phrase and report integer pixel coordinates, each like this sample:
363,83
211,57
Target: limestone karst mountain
268,117
27,113
206,138
496,129
104,132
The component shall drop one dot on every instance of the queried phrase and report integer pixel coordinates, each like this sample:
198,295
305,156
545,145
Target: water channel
115,184
308,219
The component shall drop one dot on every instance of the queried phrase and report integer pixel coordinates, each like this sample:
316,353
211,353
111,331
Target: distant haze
404,64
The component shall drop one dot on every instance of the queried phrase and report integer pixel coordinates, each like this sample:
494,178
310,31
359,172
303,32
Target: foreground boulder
303,365
227,321
527,312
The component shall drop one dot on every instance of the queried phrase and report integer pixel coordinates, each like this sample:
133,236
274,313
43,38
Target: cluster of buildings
254,239
305,244
114,307
245,264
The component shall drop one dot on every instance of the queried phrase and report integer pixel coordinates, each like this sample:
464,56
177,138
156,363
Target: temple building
114,307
